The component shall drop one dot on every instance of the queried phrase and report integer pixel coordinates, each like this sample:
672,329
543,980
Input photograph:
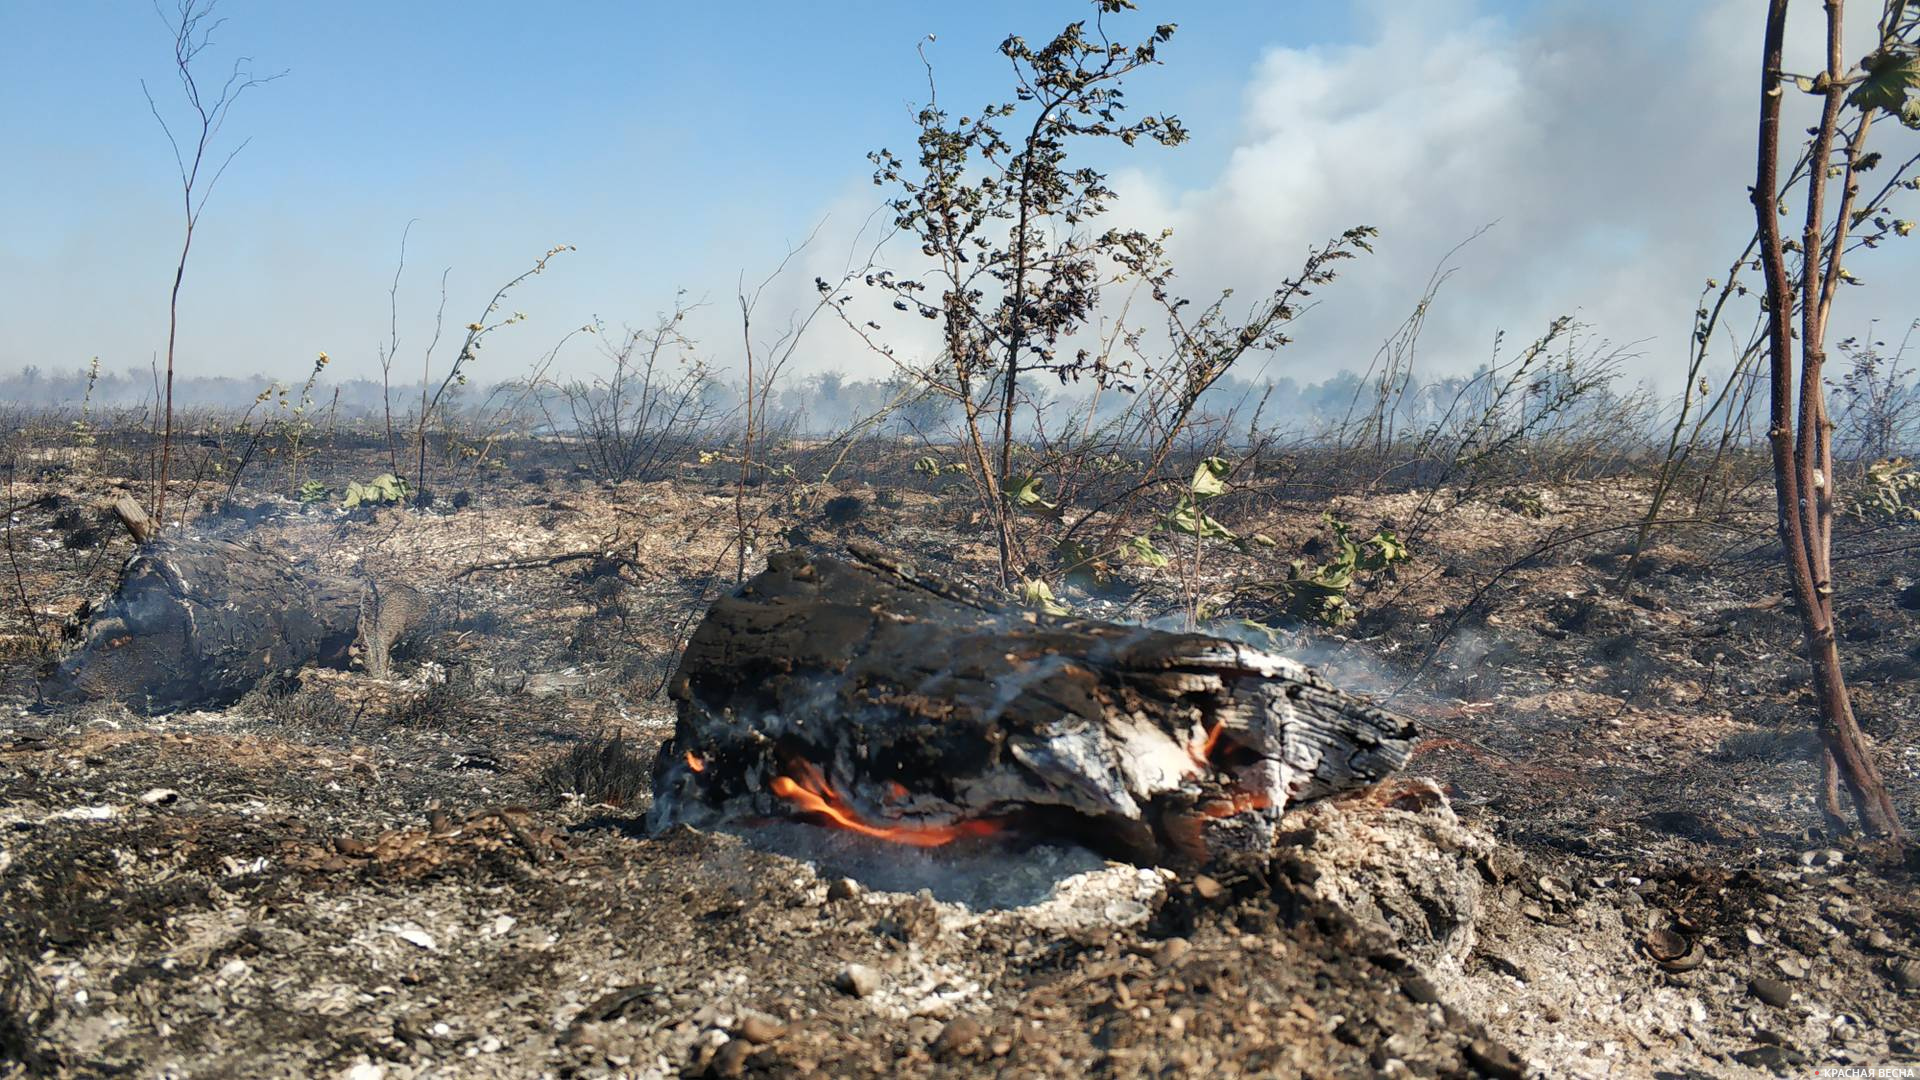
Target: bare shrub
655,403
1877,402
603,770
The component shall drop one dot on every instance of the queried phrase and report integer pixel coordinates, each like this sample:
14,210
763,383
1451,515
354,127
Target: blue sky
679,146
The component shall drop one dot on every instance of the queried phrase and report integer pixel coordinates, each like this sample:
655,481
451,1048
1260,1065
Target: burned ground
448,874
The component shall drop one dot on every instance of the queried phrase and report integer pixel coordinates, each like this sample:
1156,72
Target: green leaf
1142,549
385,488
1210,479
1889,79
1035,594
1335,577
1265,631
1024,493
1084,568
1390,548
1187,517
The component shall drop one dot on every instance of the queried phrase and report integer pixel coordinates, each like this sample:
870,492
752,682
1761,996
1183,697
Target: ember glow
695,763
1203,756
809,792
1241,802
1236,803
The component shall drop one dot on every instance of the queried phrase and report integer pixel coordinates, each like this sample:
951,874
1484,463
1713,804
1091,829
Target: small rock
1207,888
731,1059
1421,989
961,1036
1171,952
1663,943
1494,1060
1906,974
843,889
1909,598
1506,965
1773,1058
418,937
760,1030
585,1034
1879,941
1772,991
858,980
160,796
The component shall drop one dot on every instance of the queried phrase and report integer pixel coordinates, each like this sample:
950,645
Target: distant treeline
820,403
1877,406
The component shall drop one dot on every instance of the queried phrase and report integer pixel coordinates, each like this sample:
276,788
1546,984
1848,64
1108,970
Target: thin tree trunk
1802,451
746,451
173,326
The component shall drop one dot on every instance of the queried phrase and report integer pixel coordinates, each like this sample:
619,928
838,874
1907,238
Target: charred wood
869,696
196,623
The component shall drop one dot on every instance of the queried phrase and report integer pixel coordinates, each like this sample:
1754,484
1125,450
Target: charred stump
195,623
867,696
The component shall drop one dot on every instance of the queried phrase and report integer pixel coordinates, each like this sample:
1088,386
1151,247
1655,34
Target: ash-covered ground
448,875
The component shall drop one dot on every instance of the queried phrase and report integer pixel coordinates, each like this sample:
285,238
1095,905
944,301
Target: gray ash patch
978,874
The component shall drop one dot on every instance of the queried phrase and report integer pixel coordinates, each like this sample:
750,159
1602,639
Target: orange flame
1213,740
695,763
811,794
1202,754
1238,803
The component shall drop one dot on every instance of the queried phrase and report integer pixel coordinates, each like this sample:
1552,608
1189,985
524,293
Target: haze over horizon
690,148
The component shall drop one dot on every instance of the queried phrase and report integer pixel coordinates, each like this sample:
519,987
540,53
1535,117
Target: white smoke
1609,147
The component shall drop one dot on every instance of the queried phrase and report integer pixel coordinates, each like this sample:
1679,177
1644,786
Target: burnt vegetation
931,722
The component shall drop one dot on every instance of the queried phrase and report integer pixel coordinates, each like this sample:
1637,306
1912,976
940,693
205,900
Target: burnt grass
449,875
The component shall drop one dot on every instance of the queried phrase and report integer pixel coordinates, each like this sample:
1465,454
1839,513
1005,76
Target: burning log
868,697
196,623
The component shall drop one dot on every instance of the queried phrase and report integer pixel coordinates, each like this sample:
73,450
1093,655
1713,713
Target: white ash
1049,887
978,887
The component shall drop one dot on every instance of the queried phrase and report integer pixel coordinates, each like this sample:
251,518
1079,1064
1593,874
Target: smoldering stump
195,623
866,695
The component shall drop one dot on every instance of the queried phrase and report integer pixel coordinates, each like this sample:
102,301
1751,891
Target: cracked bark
924,705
